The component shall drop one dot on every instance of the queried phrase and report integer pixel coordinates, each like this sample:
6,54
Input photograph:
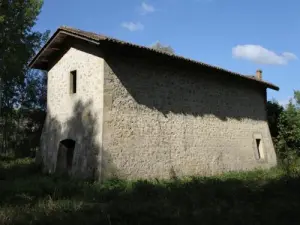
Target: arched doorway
65,156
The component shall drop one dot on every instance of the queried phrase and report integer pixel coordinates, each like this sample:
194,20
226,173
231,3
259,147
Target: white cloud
146,8
261,55
133,26
289,56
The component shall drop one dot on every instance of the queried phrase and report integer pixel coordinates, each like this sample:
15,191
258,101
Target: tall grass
258,197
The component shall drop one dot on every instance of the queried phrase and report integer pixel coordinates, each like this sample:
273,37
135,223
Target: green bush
288,140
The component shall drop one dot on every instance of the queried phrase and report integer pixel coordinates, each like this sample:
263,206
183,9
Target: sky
238,35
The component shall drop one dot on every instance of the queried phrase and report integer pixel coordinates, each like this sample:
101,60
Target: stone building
116,109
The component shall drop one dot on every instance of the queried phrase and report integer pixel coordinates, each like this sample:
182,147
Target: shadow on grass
247,198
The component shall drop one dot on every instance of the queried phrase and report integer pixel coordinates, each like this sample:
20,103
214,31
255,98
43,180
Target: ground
259,197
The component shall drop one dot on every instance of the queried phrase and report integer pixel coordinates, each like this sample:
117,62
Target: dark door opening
65,156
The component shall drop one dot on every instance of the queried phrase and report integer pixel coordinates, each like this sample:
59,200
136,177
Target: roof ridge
92,36
67,28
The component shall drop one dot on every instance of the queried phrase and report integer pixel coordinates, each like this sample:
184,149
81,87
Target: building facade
120,110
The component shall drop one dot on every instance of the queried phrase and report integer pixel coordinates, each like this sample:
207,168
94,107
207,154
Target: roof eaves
31,63
96,38
252,78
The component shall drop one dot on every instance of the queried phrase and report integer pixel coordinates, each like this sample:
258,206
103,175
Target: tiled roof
98,38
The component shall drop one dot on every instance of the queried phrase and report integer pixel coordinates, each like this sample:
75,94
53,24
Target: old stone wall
161,120
75,116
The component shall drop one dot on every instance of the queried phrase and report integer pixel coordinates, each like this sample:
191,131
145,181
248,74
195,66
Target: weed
256,197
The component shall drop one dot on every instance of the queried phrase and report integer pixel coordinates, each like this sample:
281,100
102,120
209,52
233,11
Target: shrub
288,140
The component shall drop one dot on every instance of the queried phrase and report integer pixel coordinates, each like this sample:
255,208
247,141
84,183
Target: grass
259,197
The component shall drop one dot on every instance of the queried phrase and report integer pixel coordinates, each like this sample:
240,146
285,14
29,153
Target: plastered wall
161,121
75,116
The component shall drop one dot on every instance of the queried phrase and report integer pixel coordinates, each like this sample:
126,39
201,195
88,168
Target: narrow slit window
73,82
259,148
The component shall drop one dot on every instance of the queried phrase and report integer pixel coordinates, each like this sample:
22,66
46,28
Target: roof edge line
60,30
96,39
33,60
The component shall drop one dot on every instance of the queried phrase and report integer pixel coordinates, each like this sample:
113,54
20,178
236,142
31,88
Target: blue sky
239,35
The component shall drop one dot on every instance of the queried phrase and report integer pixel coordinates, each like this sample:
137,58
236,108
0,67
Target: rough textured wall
75,116
162,121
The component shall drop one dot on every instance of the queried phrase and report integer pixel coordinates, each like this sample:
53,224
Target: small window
259,147
73,82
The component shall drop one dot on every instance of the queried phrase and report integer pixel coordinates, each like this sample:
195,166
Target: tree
297,98
162,48
18,44
288,140
274,111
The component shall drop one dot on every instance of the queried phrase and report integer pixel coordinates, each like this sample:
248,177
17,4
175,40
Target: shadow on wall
74,146
184,90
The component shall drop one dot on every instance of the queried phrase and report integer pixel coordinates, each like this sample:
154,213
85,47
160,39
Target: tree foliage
288,139
274,109
297,98
18,43
163,48
22,91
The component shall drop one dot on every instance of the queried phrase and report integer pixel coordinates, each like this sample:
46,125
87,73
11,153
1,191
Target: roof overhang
55,47
65,37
